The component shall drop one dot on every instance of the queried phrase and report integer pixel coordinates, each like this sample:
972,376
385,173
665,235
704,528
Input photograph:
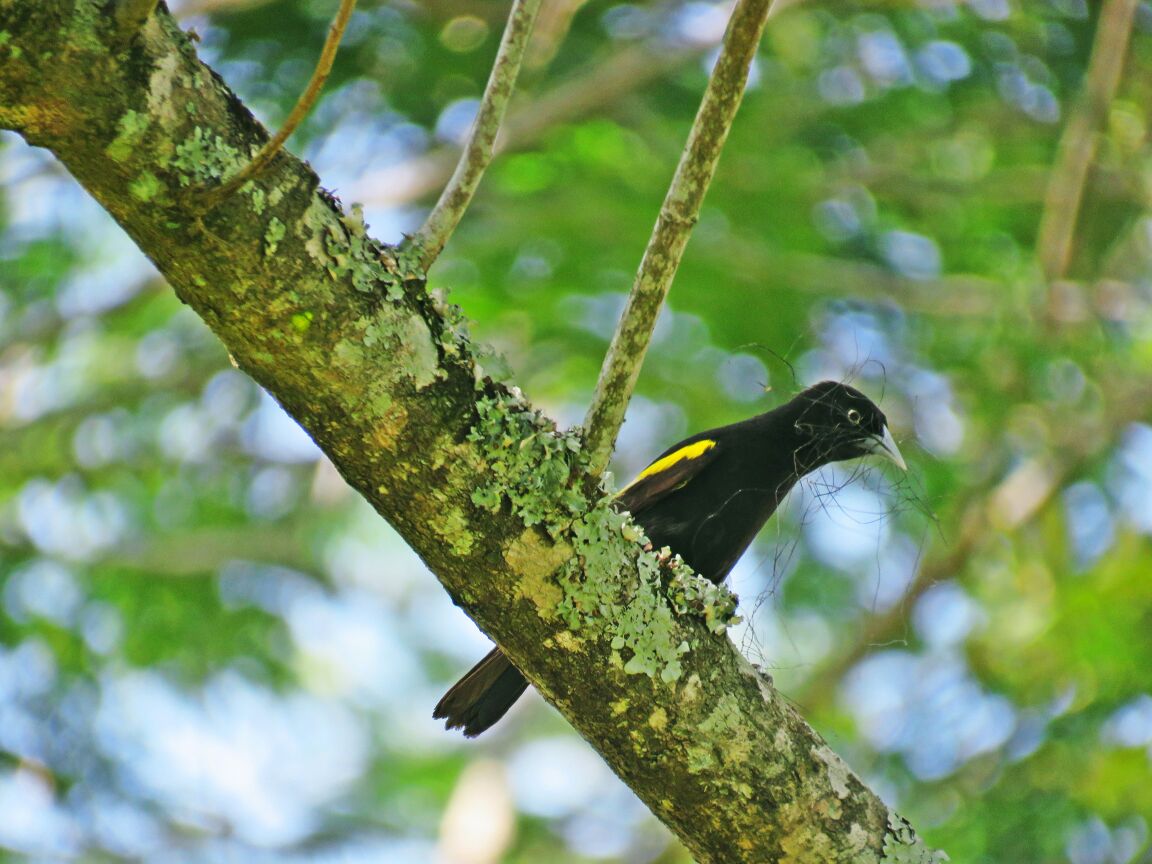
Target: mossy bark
340,330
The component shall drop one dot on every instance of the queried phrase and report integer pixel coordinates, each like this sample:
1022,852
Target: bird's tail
482,696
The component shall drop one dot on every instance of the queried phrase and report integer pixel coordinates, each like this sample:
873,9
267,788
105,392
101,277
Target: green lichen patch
273,235
6,46
453,528
691,593
807,841
130,129
902,846
86,23
533,555
838,770
453,337
418,355
725,727
567,641
341,246
203,158
645,637
412,351
388,431
145,187
162,91
349,255
858,839
723,718
489,364
530,463
590,583
700,758
353,220
408,260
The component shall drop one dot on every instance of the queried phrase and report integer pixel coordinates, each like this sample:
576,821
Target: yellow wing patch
692,451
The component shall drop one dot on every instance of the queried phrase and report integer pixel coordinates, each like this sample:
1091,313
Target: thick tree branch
1078,144
678,216
427,243
493,499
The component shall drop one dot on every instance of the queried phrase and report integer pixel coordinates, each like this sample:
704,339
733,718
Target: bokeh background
210,650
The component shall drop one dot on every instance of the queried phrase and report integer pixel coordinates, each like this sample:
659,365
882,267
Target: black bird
706,499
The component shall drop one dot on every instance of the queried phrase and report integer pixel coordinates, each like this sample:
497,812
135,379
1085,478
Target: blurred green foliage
211,651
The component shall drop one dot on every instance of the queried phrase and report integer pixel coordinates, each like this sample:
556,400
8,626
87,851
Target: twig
1078,144
299,111
427,243
678,215
130,17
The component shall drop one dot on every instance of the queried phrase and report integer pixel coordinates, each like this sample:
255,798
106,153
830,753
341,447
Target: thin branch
299,111
674,225
1078,144
427,243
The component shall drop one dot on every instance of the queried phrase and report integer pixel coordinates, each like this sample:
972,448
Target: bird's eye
854,417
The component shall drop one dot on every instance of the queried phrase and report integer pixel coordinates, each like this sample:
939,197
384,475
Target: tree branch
1078,144
427,243
295,117
678,216
487,492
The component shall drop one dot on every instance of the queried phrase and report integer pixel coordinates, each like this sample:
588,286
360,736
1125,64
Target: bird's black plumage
706,498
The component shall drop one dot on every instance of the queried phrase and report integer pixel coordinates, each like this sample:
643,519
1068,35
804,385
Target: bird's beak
883,445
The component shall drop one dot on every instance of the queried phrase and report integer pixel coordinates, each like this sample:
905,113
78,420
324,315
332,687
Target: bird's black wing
671,471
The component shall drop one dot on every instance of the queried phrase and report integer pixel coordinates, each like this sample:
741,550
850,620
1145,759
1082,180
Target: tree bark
341,331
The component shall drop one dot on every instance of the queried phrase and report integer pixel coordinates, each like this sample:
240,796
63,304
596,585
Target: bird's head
838,422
